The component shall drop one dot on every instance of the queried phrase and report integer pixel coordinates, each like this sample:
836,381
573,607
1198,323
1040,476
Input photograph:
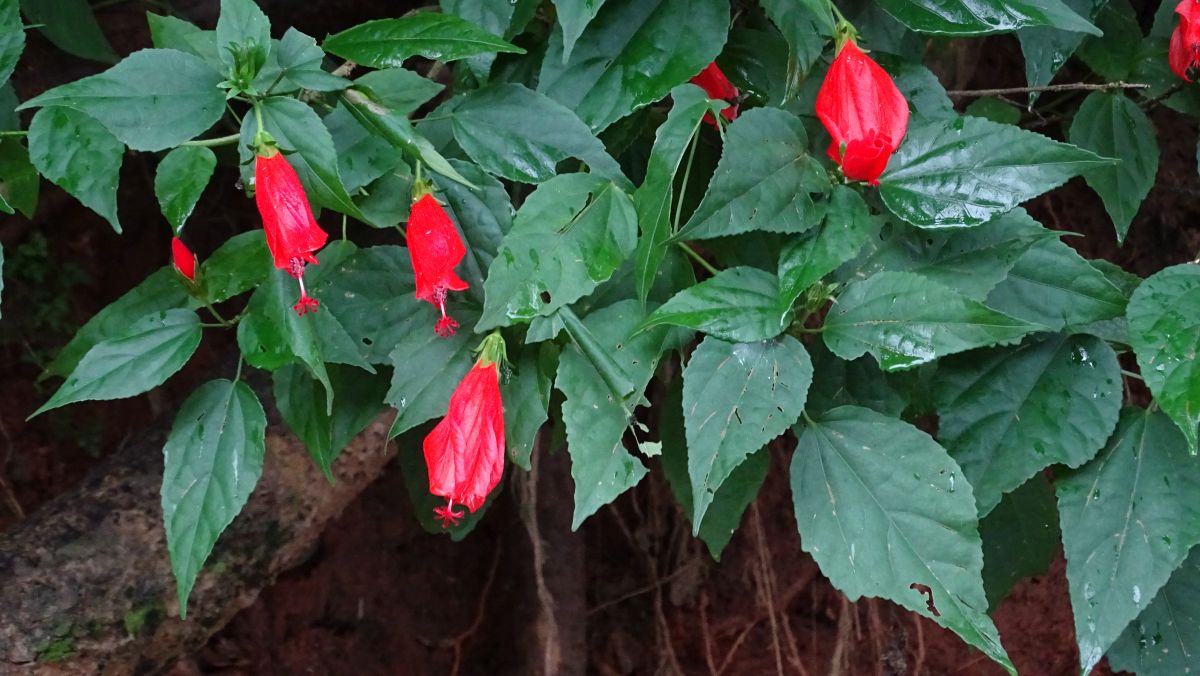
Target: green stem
258,117
19,132
687,172
213,310
1131,374
687,249
238,374
213,142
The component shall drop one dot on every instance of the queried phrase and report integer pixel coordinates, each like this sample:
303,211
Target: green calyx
492,350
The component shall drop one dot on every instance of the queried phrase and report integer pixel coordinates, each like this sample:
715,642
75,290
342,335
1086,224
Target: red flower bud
184,259
465,451
1184,52
864,113
292,232
717,86
436,249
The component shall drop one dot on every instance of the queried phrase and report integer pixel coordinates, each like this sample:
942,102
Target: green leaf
386,43
806,24
1165,639
736,398
152,100
71,26
837,382
484,215
1007,413
416,481
654,197
309,147
1053,286
1128,519
1115,55
300,62
19,182
426,369
401,91
995,109
526,396
595,420
920,87
522,135
763,181
965,171
363,157
181,178
76,153
972,261
357,400
984,17
1020,538
1164,330
739,304
848,225
242,26
631,55
1,273
570,235
212,460
1047,48
505,18
573,17
12,39
757,62
168,32
905,320
878,508
240,264
1110,124
163,290
140,359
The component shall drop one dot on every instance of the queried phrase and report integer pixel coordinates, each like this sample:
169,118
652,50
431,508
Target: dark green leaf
140,359
363,157
1115,55
182,176
1,273
386,43
1047,48
1128,519
526,396
240,264
212,461
631,55
300,62
76,153
995,109
152,100
400,91
757,63
837,382
242,27
878,507
848,225
573,17
505,18
764,180
925,94
357,400
1007,413
983,17
1111,125
965,171
484,215
12,39
168,32
521,135
905,320
570,235
19,182
1164,330
738,305
1165,639
426,369
71,26
1020,538
736,398
806,24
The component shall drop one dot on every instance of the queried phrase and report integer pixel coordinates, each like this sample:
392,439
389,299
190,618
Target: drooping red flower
717,86
1184,52
436,249
465,451
292,232
863,111
184,259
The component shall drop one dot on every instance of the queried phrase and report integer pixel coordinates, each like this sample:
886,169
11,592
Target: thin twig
528,485
1068,87
8,492
736,644
919,660
639,591
706,634
458,641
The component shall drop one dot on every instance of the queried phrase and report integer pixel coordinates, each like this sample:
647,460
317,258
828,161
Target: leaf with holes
1165,639
738,305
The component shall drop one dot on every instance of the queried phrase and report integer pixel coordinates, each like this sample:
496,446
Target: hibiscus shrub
749,219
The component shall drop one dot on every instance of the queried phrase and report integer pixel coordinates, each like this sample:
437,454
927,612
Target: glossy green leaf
879,508
386,43
1047,48
152,100
847,226
757,62
631,55
76,153
1053,286
807,25
141,358
357,400
181,178
12,38
526,396
484,215
19,181
966,171
1164,330
1128,519
240,264
1115,55
736,398
595,420
242,28
212,460
426,368
505,18
764,181
1007,413
71,26
654,198
1111,125
1165,639
573,17
1020,538
905,320
994,109
740,305
984,17
521,135
571,234
401,91
920,87
300,62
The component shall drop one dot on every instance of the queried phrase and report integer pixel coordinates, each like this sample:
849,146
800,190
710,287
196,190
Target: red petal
184,260
465,451
858,102
714,83
436,249
291,230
